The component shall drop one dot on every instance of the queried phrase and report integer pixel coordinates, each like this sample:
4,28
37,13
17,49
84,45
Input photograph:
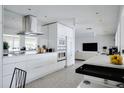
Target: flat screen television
90,46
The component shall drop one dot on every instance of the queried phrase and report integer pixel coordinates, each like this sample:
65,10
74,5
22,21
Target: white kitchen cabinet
43,40
61,30
44,70
36,66
52,36
58,31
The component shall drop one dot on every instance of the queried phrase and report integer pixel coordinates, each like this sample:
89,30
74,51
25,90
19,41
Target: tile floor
65,78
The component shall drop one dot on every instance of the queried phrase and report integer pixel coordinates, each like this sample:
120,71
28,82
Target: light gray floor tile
65,78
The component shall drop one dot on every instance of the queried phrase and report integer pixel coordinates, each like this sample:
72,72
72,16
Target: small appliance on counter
123,51
113,50
44,49
50,50
104,52
23,49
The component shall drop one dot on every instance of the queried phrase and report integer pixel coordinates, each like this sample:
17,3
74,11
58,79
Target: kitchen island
99,72
36,65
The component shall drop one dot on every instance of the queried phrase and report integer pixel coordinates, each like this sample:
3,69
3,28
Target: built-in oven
62,41
61,48
61,55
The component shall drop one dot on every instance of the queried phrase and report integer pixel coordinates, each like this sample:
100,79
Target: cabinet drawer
8,69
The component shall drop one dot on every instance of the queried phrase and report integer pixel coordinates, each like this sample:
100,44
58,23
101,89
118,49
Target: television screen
90,46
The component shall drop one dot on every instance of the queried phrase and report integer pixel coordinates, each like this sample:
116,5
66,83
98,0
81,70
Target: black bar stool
18,78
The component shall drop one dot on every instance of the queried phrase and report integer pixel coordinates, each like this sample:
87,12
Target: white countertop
100,60
21,58
103,60
27,54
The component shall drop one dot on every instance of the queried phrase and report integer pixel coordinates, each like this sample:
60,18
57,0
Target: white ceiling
84,16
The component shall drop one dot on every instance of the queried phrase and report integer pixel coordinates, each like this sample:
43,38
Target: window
13,41
30,43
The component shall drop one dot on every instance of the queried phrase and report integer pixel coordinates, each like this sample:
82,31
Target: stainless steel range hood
30,26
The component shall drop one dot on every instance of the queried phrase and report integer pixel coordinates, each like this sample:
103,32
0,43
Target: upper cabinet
52,36
56,33
61,30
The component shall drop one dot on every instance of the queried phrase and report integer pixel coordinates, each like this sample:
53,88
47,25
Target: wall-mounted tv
90,47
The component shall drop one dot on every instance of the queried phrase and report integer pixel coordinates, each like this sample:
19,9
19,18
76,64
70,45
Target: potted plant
5,48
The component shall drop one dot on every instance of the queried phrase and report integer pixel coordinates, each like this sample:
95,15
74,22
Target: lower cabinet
36,66
42,71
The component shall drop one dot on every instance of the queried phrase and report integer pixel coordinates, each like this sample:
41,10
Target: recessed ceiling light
29,9
89,28
97,13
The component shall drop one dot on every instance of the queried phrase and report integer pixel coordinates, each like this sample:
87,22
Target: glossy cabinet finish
36,66
57,34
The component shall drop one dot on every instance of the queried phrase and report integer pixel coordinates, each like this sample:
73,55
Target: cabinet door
52,36
61,30
43,40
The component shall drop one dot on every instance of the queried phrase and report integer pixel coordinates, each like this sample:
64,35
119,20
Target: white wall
0,46
118,38
122,28
102,40
120,31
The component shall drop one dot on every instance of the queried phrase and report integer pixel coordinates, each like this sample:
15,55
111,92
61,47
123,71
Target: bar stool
18,78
